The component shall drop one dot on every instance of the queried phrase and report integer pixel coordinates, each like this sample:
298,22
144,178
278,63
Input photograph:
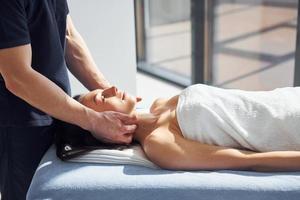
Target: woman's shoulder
163,104
157,105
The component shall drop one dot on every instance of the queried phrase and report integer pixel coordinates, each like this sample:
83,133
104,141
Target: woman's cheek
118,108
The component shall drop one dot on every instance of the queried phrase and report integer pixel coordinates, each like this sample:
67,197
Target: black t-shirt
41,23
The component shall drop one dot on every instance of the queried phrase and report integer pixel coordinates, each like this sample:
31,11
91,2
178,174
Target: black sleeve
13,24
67,7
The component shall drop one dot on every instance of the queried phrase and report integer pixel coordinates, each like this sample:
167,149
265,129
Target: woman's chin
132,101
132,111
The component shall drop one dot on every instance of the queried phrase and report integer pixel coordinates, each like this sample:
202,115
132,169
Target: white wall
108,28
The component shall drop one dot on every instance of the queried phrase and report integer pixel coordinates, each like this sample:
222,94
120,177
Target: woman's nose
112,91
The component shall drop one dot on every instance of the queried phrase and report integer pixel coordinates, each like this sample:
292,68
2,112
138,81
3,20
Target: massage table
55,179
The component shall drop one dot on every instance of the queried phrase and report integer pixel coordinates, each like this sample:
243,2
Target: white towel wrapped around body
255,120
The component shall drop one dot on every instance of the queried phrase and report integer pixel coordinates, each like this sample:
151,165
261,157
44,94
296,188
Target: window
254,43
164,39
247,44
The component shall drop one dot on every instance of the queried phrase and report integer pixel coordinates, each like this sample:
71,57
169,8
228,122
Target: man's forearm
45,95
80,61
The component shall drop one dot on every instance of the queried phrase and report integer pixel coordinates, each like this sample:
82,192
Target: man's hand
113,127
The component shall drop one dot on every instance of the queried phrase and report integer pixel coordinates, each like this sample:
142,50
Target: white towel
259,121
133,155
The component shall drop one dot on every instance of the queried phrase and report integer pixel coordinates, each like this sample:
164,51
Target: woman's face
109,100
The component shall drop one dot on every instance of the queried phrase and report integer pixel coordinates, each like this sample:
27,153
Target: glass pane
168,37
254,43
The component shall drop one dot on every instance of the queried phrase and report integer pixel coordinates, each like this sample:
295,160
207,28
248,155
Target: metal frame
139,8
164,74
202,18
209,41
297,54
198,41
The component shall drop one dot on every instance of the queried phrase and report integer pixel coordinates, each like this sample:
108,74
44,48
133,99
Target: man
37,42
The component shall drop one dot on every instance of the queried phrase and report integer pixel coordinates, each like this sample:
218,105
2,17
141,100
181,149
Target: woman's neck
146,124
150,120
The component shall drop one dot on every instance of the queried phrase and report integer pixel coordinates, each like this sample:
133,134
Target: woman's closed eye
103,98
99,98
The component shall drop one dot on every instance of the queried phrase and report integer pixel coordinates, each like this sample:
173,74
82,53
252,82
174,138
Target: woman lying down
208,128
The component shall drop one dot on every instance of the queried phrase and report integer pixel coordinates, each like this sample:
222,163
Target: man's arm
37,90
80,61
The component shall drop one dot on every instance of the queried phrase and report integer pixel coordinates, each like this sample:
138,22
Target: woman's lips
123,96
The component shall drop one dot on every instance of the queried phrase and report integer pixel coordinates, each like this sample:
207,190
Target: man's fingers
127,139
129,128
127,119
